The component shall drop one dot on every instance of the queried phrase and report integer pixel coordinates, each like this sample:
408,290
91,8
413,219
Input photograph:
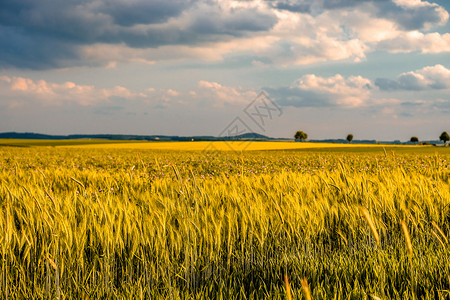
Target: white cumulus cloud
428,78
21,90
315,91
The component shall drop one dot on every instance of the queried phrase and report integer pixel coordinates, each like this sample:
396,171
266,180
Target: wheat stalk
372,227
305,289
440,232
437,237
407,238
288,287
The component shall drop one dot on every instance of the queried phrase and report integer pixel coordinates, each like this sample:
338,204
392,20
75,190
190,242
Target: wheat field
224,146
142,222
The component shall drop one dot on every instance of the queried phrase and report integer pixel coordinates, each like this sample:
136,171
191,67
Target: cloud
55,34
413,14
392,26
348,30
407,14
380,98
379,26
19,91
129,13
301,39
336,91
219,95
429,78
327,49
21,49
293,6
50,34
417,41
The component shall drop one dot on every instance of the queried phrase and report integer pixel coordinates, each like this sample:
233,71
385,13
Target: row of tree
444,137
302,136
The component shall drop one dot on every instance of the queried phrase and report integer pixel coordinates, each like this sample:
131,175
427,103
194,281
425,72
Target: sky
379,69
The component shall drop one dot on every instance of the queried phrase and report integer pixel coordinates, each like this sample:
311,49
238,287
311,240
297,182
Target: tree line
302,136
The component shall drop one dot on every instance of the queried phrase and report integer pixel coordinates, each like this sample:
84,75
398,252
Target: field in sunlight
202,146
225,146
154,221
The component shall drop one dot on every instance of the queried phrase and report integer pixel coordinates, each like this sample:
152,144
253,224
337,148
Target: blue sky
379,69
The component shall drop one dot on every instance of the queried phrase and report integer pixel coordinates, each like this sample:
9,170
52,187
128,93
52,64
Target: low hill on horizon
38,136
251,136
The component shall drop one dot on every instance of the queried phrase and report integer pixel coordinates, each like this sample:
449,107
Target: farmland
170,221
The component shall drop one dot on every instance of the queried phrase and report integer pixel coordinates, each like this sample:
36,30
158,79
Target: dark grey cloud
299,6
412,104
63,21
410,81
404,82
128,13
20,49
387,84
239,21
317,6
334,4
206,23
47,33
407,18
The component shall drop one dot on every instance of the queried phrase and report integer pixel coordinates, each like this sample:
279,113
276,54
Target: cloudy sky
379,69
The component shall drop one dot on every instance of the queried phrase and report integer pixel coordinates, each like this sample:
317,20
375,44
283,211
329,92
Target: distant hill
38,136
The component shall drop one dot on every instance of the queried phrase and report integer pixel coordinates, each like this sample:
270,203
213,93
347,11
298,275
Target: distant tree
350,138
300,135
444,137
414,139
